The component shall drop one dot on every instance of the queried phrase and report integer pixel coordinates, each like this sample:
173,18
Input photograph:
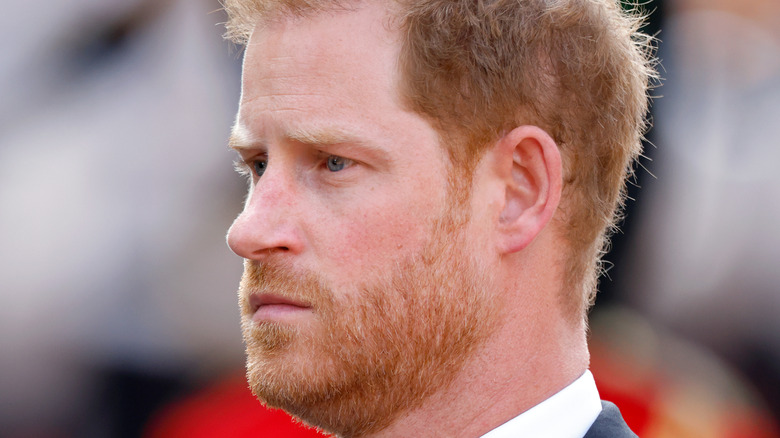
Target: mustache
299,286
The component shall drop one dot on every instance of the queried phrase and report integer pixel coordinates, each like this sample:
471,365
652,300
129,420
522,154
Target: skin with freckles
379,283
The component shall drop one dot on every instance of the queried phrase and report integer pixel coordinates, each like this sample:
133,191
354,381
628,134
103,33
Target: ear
528,165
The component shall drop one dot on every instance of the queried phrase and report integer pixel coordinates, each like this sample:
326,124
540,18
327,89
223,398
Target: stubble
374,352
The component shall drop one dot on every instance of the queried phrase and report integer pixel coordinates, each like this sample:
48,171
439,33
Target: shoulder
609,424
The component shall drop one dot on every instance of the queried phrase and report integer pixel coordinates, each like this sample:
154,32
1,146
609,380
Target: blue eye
336,163
259,167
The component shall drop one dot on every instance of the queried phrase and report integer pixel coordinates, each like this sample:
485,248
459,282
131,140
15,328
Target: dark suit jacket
609,424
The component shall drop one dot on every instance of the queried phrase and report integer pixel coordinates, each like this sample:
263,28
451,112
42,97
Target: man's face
361,295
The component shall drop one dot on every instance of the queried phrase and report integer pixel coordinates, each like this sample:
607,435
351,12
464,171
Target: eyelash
245,168
242,168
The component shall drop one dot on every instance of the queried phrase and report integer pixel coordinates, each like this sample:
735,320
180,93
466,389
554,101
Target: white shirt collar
567,414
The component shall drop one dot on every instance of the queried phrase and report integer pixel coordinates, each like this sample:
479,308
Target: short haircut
579,69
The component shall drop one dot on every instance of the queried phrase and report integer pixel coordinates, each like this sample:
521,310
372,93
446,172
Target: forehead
335,61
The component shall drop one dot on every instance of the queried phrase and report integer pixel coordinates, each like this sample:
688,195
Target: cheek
377,233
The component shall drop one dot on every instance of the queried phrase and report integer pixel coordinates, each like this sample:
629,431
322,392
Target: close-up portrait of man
438,218
432,185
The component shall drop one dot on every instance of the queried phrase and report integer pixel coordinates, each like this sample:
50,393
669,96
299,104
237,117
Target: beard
375,352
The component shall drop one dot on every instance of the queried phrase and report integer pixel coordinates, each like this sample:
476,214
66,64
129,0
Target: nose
267,225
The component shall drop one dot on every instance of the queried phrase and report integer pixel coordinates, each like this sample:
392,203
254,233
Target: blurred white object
706,256
116,189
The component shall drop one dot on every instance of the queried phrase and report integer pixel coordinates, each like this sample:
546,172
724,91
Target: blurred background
116,189
119,317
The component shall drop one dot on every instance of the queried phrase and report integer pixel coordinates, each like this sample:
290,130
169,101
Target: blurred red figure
227,409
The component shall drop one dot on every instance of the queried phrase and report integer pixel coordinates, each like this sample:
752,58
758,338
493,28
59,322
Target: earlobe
529,164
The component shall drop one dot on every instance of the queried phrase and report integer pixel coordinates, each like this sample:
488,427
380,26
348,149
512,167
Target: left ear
528,164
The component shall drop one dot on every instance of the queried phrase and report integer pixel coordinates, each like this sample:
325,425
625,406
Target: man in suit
431,183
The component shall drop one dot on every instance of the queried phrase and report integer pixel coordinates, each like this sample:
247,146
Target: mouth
274,308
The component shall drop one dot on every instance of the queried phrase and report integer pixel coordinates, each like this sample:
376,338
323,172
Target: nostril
271,251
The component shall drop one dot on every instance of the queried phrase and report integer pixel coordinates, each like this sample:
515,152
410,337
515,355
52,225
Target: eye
336,163
259,167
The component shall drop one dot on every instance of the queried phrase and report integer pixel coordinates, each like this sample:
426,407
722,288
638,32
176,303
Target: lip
269,307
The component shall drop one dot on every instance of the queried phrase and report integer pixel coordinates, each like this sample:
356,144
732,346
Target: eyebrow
327,136
241,139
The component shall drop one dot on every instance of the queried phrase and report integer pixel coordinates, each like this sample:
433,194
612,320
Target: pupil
335,164
260,167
